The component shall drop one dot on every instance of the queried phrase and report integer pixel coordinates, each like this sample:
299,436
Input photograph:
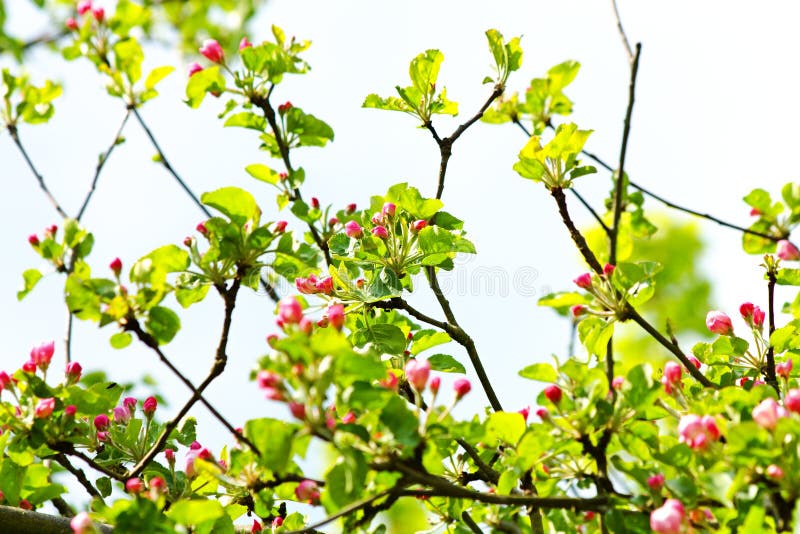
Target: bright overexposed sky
715,116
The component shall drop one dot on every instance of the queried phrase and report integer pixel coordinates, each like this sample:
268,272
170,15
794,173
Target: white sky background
714,117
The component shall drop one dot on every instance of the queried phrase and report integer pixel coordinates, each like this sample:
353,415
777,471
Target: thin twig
220,360
101,163
620,189
165,162
446,144
622,33
12,130
69,449
769,373
64,462
347,510
473,526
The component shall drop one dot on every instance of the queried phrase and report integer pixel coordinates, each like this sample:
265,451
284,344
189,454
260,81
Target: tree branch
347,510
21,521
769,373
12,130
69,449
101,163
64,462
623,35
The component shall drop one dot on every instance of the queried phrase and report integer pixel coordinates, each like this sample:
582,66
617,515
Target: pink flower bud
349,418
149,406
542,414
201,228
525,412
134,485
618,382
33,239
669,518
307,491
306,326
774,472
656,482
695,362
169,454
212,51
289,310
71,24
784,369
766,414
306,286
377,218
43,355
388,209
29,367
268,379
380,232
194,68
256,527
577,310
70,410
461,387
787,251
755,212
698,432
44,408
584,281
273,394
280,227
25,504
608,269
417,226
115,266
73,372
350,209
83,6
157,486
99,13
277,522
245,43
325,285
298,410
81,524
5,380
336,316
672,375
50,231
417,373
121,414
315,203
553,393
353,229
102,422
719,323
390,382
333,221
283,108
434,385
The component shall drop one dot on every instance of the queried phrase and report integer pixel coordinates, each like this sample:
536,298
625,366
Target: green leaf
541,372
507,427
30,278
274,439
156,75
427,340
386,338
247,119
446,364
195,512
104,486
206,81
307,129
788,277
162,323
263,173
594,333
236,203
120,340
397,417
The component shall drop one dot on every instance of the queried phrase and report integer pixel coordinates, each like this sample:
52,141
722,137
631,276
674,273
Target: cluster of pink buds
313,285
83,7
41,356
196,452
669,518
752,314
600,287
784,369
698,432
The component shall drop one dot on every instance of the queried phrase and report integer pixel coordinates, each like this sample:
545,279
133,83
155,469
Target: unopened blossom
349,418
698,432
752,314
668,519
553,393
583,281
115,266
193,69
380,232
766,413
719,323
102,422
71,24
289,310
353,229
672,376
417,373
434,384
42,355
73,372
268,379
461,387
245,43
81,524
134,485
656,482
298,410
149,406
417,226
618,382
774,472
325,285
792,400
83,6
280,227
608,269
525,412
307,491
121,414
787,251
578,309
336,316
212,51
44,408
388,209
783,369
